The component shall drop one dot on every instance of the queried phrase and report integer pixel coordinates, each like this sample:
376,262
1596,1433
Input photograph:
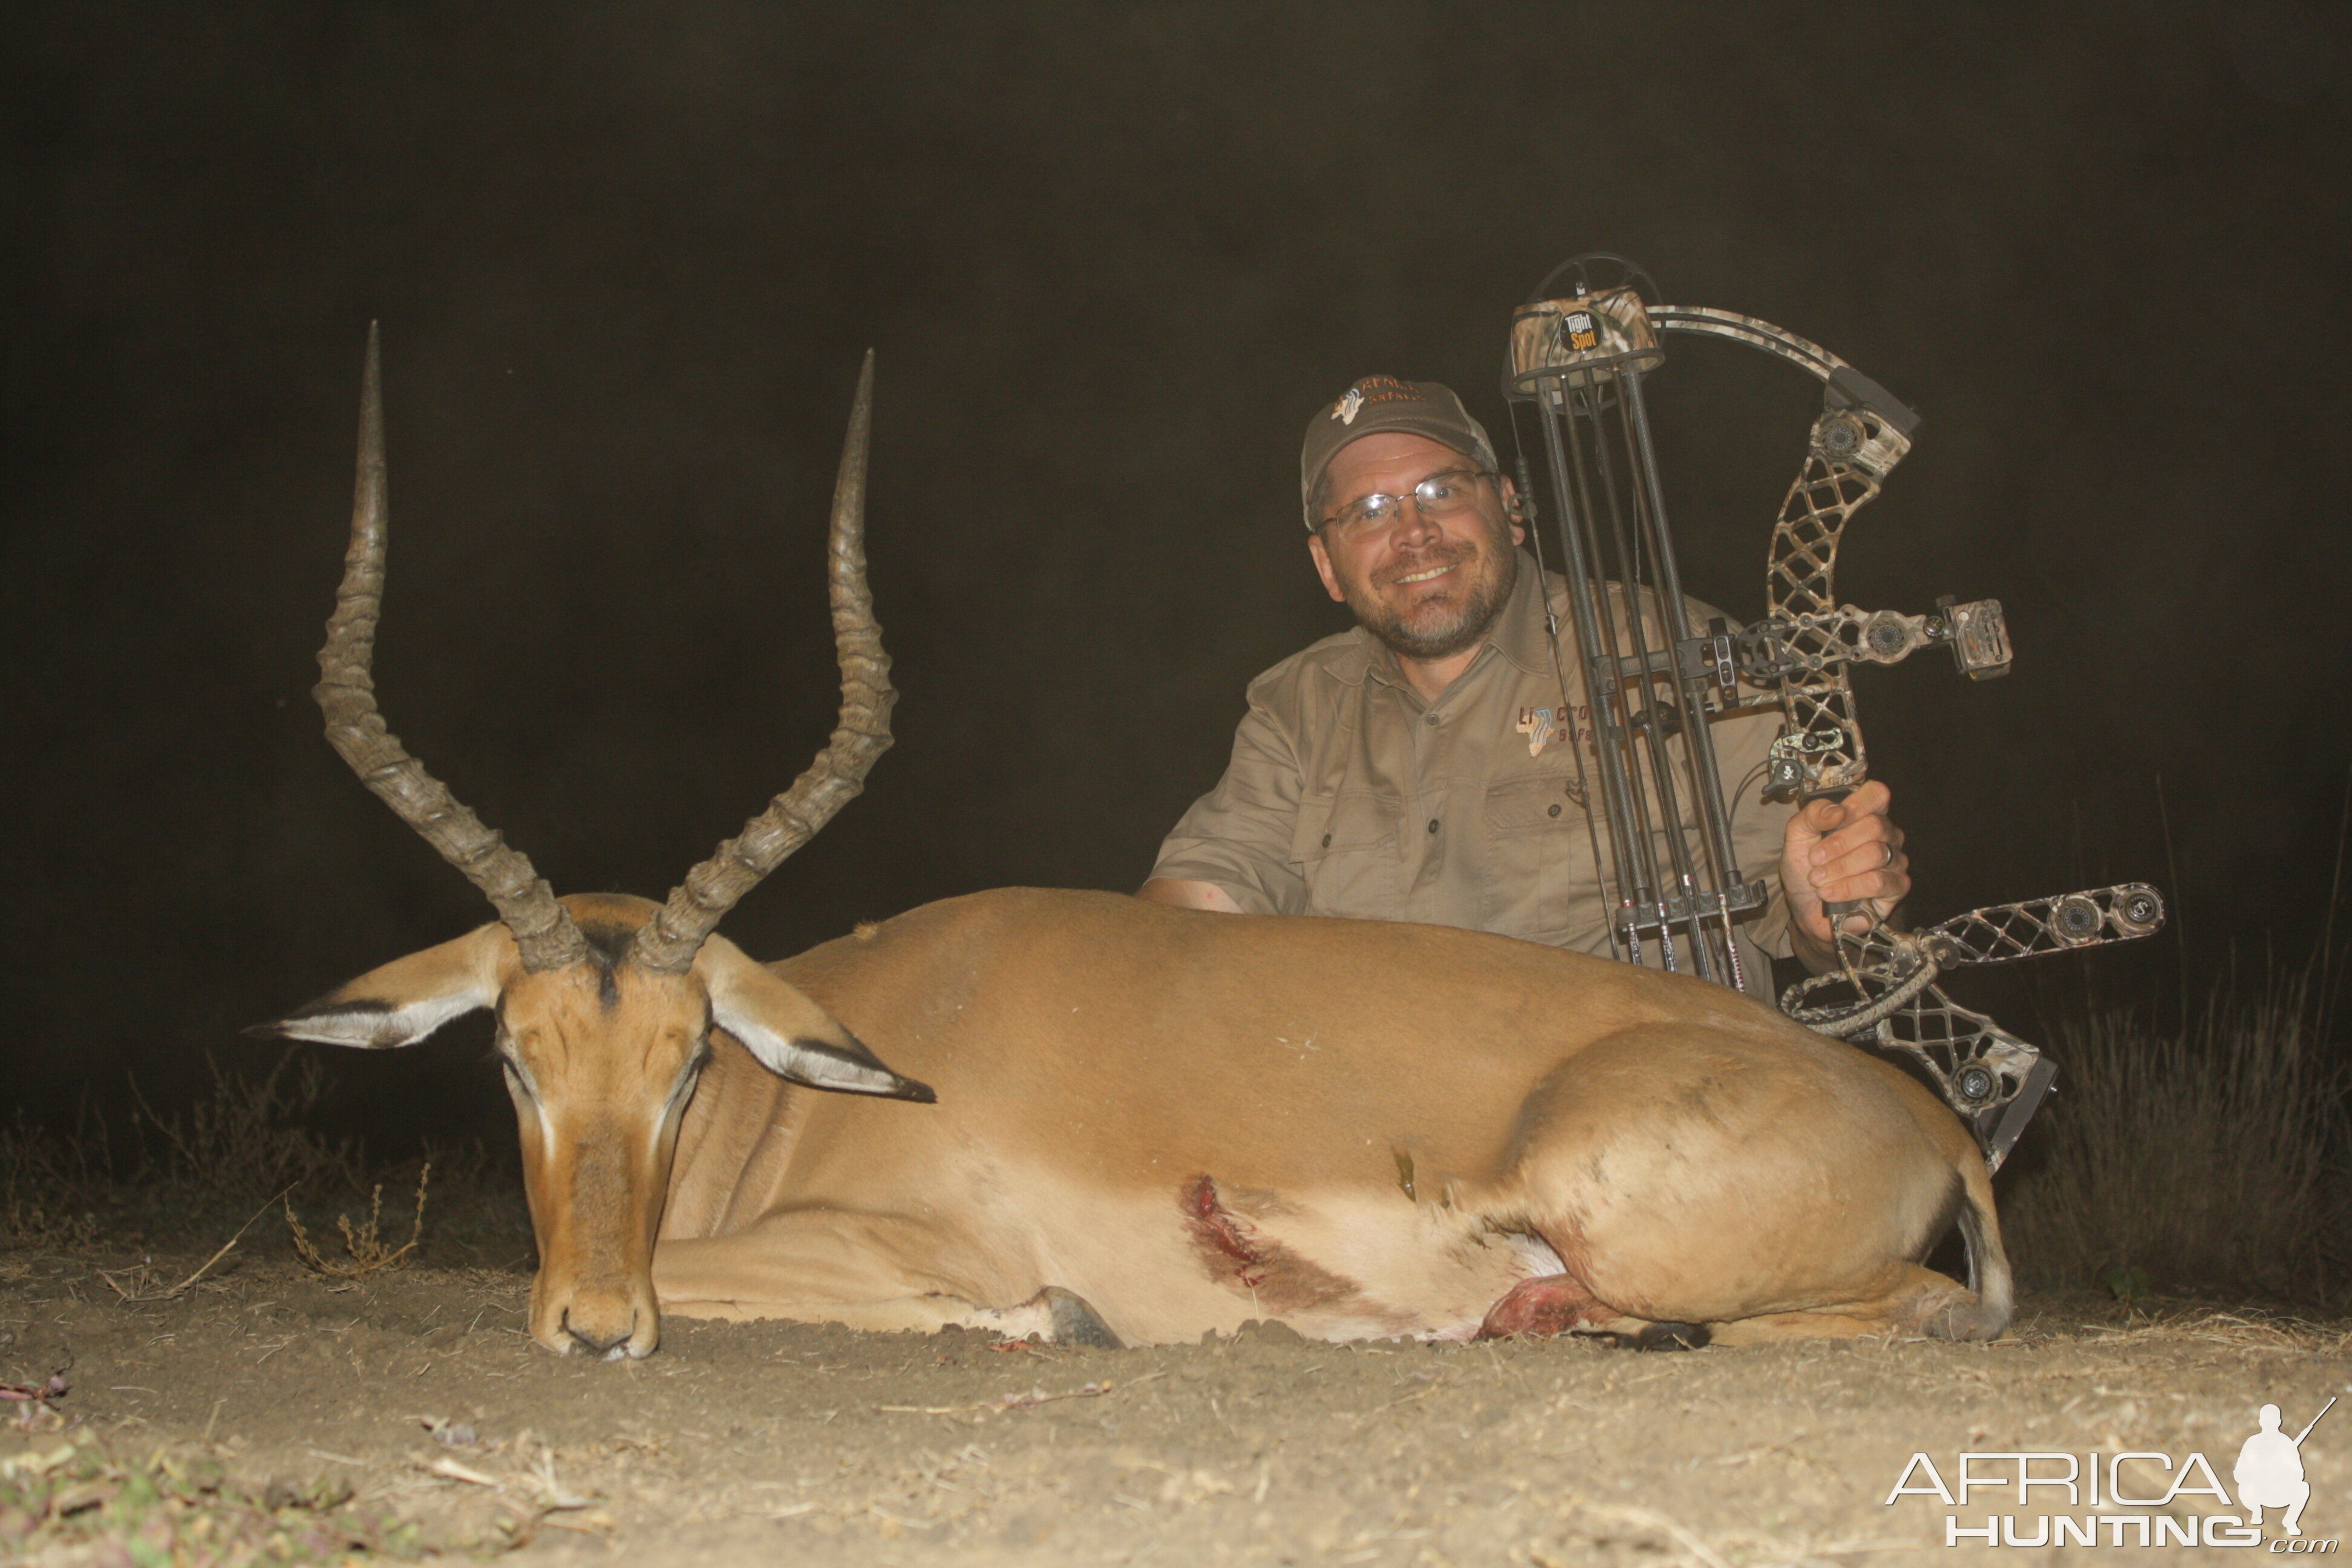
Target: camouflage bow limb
1884,993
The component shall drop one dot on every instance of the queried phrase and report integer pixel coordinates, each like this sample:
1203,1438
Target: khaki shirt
1350,794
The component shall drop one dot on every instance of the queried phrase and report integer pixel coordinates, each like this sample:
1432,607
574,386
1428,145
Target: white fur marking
1534,1255
379,1031
796,1060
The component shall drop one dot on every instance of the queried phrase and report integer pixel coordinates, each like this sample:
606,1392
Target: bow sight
1580,357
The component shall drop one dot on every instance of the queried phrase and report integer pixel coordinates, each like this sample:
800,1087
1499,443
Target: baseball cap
1383,403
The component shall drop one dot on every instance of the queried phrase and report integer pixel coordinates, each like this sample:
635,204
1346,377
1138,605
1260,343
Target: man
2269,1472
1398,772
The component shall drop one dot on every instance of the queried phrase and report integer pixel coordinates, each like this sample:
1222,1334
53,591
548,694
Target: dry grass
249,1140
200,1171
2211,1155
42,1201
146,1285
366,1249
2239,1330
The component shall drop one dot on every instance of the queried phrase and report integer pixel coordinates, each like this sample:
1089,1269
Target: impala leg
1560,1304
1917,1301
847,1269
1661,1167
1054,1315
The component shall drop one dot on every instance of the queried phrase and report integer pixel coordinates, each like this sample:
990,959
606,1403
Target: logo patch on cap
1345,410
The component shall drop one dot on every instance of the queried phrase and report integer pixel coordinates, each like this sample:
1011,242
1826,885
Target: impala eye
518,1081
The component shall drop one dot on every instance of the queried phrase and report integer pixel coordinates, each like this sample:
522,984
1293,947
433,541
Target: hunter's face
1427,569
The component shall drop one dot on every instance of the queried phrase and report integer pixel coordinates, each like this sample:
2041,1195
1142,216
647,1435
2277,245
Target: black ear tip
269,1031
921,1093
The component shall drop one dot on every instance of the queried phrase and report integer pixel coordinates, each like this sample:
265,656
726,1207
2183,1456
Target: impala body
1364,1129
1126,1124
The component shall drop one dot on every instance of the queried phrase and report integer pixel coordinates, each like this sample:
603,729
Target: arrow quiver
1581,349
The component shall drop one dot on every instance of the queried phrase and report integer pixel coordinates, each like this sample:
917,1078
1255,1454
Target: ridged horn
346,694
696,906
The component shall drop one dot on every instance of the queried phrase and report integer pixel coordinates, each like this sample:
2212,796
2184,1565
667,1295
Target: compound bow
1580,359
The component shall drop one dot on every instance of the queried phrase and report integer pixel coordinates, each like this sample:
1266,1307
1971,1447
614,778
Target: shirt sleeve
1238,835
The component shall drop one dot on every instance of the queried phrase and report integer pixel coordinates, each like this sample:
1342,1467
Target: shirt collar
1517,635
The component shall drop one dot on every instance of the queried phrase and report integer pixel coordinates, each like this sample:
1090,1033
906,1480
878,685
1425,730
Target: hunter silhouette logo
2270,1470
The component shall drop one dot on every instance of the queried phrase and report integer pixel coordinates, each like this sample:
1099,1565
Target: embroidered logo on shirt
1537,725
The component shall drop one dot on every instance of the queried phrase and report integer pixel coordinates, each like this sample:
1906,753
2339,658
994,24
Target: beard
1441,626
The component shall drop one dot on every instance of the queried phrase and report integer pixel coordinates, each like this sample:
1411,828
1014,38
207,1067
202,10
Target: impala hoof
1075,1323
1668,1337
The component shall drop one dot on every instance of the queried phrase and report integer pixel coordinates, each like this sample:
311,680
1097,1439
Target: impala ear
792,1037
405,999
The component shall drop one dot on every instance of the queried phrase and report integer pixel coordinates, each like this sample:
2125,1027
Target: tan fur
595,1161
1188,1121
599,1061
1695,1155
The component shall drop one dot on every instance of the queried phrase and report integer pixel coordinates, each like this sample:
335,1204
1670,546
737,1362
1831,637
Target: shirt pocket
1538,861
1346,849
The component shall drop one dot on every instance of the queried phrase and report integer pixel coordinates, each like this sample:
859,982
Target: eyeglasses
1440,495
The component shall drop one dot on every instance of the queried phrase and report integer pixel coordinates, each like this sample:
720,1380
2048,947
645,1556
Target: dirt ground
417,1391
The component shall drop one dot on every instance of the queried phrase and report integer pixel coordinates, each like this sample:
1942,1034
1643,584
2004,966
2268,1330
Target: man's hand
1841,852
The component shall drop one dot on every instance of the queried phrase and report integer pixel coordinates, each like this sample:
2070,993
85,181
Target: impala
1130,1123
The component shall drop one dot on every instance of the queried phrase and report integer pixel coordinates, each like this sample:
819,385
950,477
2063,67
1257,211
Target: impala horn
668,941
346,694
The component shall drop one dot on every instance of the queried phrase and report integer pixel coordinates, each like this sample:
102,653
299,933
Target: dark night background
627,258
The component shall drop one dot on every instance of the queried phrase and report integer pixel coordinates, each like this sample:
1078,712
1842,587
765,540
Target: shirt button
1326,841
1431,719
1555,808
1433,824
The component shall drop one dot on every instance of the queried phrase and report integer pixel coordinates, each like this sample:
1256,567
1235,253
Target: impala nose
597,1343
